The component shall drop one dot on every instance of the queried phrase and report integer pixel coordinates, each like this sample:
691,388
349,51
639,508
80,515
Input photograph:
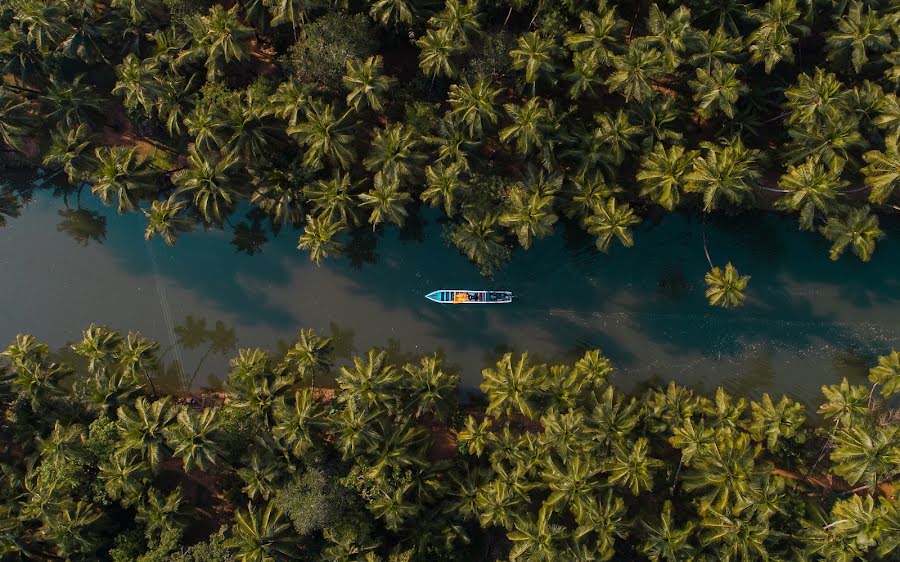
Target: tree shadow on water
82,225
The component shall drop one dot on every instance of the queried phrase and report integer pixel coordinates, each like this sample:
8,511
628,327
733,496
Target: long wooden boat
463,296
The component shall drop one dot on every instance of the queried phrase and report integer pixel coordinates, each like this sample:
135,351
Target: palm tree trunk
675,479
705,249
150,380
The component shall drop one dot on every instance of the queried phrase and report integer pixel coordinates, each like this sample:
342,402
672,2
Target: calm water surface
808,321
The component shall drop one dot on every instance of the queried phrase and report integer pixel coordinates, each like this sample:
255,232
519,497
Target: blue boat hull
463,296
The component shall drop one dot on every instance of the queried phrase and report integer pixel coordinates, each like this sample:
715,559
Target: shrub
327,44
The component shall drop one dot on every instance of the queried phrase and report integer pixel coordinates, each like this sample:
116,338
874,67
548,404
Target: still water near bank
808,321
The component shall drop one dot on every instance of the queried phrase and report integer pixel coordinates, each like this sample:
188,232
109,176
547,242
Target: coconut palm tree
777,423
72,529
531,127
386,200
290,99
529,215
857,228
453,142
810,187
219,39
587,191
511,387
735,537
601,36
882,174
460,18
143,427
210,182
724,474
71,103
366,83
165,219
298,422
717,90
635,72
124,476
16,119
663,173
261,534
603,516
726,287
431,388
886,374
442,182
193,438
260,475
612,220
481,241
370,384
279,193
160,513
289,12
394,152
672,34
309,353
71,149
535,53
663,541
726,171
866,456
833,140
253,128
318,237
584,75
121,173
536,538
714,49
333,199
137,83
437,48
631,467
779,26
394,508
857,34
474,105
392,13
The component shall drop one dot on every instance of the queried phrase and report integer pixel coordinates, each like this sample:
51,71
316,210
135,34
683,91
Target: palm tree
394,152
572,484
846,404
431,388
386,200
71,150
664,542
738,537
856,35
143,427
70,529
726,287
475,435
136,83
160,513
279,193
631,467
777,423
260,475
603,516
612,139
309,354
291,12
193,438
297,423
474,105
511,387
717,90
16,120
602,34
442,182
71,103
858,229
866,456
584,74
260,535
724,473
587,191
453,142
325,135
536,539
810,187
394,509
663,172
253,129
882,173
219,38
635,72
460,18
318,237
209,179
886,374
392,13
672,34
437,48
290,99
529,215
725,171
534,54
831,140
124,476
366,83
165,219
773,40
531,125
370,384
121,173
714,49
480,240
612,220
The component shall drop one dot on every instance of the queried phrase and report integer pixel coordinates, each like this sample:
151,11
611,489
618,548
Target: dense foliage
510,115
557,465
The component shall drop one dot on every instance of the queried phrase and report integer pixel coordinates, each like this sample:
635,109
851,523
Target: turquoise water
808,321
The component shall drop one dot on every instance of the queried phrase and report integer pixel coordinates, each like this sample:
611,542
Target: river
808,321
